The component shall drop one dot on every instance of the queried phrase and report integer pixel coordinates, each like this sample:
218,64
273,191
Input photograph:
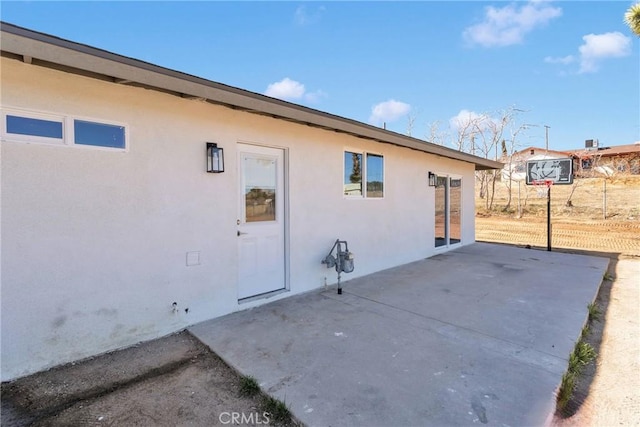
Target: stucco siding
94,241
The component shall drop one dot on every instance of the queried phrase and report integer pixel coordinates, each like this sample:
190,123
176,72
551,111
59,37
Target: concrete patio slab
477,335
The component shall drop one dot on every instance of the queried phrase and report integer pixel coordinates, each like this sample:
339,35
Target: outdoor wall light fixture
432,179
215,158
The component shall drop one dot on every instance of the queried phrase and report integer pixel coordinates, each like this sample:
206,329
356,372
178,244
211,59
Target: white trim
364,171
384,175
360,196
68,133
71,133
287,231
461,178
283,216
15,137
448,244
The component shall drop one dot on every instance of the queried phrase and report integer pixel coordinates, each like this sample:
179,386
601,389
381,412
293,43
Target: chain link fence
613,198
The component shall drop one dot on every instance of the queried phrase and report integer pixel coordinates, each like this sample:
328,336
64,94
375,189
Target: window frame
18,137
68,131
72,133
364,172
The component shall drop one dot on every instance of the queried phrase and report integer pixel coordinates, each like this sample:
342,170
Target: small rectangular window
363,175
98,134
375,175
34,127
260,177
17,125
352,174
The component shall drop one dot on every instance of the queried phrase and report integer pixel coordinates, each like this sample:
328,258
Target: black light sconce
215,158
433,178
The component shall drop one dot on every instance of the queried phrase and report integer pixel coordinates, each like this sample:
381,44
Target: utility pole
546,137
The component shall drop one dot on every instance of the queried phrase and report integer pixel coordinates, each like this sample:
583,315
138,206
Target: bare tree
488,135
466,131
471,137
411,122
509,148
593,164
435,135
589,166
493,134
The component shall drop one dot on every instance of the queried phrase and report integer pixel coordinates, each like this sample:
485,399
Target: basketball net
542,187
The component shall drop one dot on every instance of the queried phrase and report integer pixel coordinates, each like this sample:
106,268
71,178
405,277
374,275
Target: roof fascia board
25,42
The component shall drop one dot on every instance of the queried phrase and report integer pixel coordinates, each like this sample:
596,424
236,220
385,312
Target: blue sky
572,66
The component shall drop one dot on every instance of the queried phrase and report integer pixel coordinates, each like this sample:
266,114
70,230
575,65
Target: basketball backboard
559,171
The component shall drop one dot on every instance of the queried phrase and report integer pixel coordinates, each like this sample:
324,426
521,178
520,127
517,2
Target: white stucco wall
94,241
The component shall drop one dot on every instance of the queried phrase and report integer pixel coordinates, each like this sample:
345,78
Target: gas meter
342,261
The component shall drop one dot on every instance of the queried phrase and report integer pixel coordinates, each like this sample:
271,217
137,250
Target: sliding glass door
447,210
455,206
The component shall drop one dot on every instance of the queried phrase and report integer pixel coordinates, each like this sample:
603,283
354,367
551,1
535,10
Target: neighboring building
589,161
113,232
515,165
618,159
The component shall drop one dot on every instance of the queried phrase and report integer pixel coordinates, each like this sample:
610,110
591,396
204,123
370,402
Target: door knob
240,233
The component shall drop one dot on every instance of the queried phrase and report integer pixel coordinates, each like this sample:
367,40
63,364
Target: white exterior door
261,220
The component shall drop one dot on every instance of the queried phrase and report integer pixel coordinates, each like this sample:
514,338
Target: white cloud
597,47
508,25
300,16
303,17
464,118
291,90
285,89
314,97
388,111
565,60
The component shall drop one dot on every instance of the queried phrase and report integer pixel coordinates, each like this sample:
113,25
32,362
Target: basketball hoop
542,174
542,187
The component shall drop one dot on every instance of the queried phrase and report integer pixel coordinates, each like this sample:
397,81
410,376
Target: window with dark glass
375,175
98,134
447,211
455,207
352,174
363,175
260,187
34,127
51,128
441,208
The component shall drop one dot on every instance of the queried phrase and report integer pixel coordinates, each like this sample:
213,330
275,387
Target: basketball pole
548,218
549,172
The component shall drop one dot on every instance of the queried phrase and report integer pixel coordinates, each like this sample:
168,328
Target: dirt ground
587,199
173,381
603,215
606,393
621,237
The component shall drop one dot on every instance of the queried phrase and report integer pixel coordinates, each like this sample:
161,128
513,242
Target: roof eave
44,47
